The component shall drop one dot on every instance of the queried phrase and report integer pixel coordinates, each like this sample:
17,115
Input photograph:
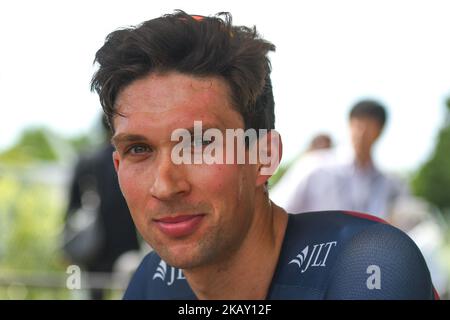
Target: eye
138,149
201,142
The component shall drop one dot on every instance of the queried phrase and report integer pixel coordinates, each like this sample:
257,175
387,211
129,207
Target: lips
179,226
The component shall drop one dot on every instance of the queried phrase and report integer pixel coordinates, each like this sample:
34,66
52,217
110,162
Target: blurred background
330,54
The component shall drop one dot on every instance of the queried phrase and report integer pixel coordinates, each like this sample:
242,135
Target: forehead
174,100
365,120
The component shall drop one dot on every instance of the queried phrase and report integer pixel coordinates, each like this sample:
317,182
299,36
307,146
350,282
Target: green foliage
432,181
279,173
31,217
32,145
30,223
80,143
34,220
282,169
42,145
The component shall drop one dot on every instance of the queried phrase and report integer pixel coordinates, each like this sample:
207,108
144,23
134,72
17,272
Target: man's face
191,214
364,132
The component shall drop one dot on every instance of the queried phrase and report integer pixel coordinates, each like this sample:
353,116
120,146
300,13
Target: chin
178,256
181,262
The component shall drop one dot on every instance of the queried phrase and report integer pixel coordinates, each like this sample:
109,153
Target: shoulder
380,262
326,226
334,224
155,279
332,254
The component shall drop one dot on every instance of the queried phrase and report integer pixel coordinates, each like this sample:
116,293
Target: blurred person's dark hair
320,141
190,45
369,109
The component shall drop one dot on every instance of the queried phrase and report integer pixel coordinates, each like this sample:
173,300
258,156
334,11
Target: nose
359,131
169,180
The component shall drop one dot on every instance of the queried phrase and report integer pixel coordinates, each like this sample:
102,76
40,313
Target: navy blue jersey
324,255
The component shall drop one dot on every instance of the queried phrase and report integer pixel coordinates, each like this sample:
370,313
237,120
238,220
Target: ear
270,152
116,160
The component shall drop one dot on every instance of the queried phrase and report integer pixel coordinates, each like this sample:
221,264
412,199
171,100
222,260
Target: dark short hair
321,141
192,45
369,109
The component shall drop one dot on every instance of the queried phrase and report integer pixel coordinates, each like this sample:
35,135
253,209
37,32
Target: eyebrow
125,137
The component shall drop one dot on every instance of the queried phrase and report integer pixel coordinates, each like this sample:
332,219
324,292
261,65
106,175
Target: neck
248,272
364,160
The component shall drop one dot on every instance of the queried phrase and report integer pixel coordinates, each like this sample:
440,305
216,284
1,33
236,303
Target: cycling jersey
324,255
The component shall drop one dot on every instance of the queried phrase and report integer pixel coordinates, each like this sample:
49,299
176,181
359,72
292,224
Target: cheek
224,183
215,178
131,183
374,133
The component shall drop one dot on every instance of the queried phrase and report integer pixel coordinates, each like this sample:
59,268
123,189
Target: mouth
179,226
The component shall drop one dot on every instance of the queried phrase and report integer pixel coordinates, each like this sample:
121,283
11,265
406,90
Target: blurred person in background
321,180
356,185
321,141
99,228
320,153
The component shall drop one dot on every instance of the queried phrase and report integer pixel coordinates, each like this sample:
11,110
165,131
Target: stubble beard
214,248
